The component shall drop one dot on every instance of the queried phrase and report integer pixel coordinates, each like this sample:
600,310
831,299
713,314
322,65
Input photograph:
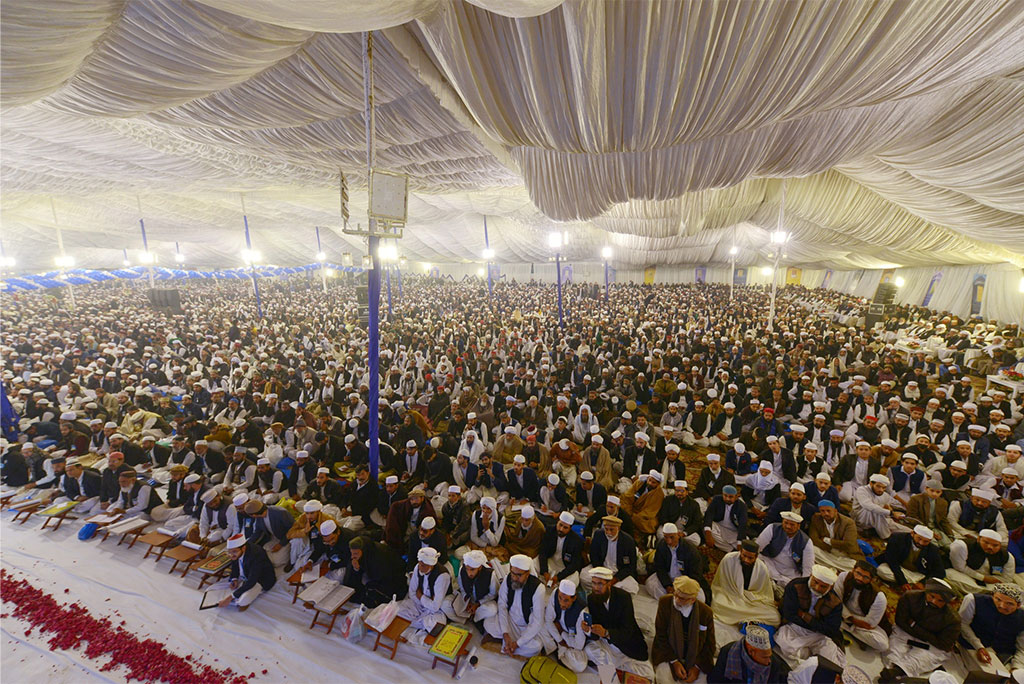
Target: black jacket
92,483
706,488
362,501
778,674
258,570
572,552
293,477
530,489
691,563
625,553
617,617
672,509
330,493
929,561
716,512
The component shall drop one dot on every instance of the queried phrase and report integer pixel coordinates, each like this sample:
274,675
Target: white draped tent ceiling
667,130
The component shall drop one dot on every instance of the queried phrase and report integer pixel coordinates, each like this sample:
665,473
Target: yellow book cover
449,641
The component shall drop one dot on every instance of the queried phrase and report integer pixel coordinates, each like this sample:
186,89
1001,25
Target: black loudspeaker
165,299
875,313
363,300
885,294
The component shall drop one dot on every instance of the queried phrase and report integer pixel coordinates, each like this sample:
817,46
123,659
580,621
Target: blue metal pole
490,282
558,270
606,282
252,269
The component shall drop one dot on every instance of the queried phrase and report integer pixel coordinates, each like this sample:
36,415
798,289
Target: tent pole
60,248
145,244
373,276
558,275
252,266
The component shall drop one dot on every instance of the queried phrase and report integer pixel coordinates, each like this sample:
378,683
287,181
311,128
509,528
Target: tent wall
1002,299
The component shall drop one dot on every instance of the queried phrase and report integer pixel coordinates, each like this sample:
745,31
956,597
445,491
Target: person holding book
429,585
251,573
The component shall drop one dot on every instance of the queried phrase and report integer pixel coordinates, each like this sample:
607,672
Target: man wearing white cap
684,511
563,626
427,534
304,535
910,557
697,427
615,550
553,499
616,638
969,517
925,632
675,557
474,591
429,583
486,528
520,616
906,479
639,459
561,553
713,478
980,563
811,615
527,536
993,626
596,460
251,573
874,508
786,549
216,518
269,482
333,549
565,460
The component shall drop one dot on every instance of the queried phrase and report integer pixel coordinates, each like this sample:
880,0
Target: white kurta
511,620
916,662
568,641
425,611
783,567
875,637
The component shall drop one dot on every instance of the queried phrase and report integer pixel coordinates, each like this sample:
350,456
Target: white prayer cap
240,499
110,424
348,440
428,555
527,512
811,445
990,534
191,478
602,573
673,404
200,442
714,458
391,479
922,531
974,426
758,637
474,559
428,523
909,456
889,443
729,405
566,517
323,471
454,489
799,428
863,443
328,527
771,439
958,463
1013,447
880,479
824,574
680,484
674,448
211,493
95,421
614,500
263,460
510,430
641,436
69,415
1009,471
987,494
411,444
520,562
236,541
489,502
740,448
616,434
835,433
792,517
587,475
312,506
798,487
471,415
824,476
963,442
594,429
627,415
597,439
553,479
766,465
669,428
567,587
563,443
669,528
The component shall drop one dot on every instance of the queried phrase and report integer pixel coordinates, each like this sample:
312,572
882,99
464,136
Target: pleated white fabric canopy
668,130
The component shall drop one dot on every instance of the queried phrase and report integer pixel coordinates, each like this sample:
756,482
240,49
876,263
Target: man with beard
743,588
863,607
474,591
616,638
993,626
613,549
750,659
135,498
909,558
520,617
812,614
925,633
683,511
563,633
979,564
684,634
561,552
834,537
675,557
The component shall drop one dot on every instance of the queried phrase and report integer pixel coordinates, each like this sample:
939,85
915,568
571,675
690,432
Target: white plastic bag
380,617
274,453
352,625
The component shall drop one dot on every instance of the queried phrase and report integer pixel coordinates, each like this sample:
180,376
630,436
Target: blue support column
373,352
558,273
252,269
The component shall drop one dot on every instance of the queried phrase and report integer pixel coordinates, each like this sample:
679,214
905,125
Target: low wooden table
463,652
182,554
60,518
156,540
393,633
295,580
134,533
343,608
25,511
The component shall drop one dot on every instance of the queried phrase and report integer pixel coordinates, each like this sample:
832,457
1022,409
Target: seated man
909,558
796,503
930,509
429,584
427,535
521,483
611,507
327,491
527,536
269,484
135,497
750,659
251,573
684,635
405,517
84,485
486,528
975,514
332,550
591,496
642,501
561,552
906,479
980,564
863,607
684,512
553,500
520,617
925,633
177,494
811,617
676,557
874,509
786,549
475,591
614,550
216,519
615,636
455,518
725,521
993,626
743,588
375,571
834,537
268,526
563,626
304,535
713,478
362,501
